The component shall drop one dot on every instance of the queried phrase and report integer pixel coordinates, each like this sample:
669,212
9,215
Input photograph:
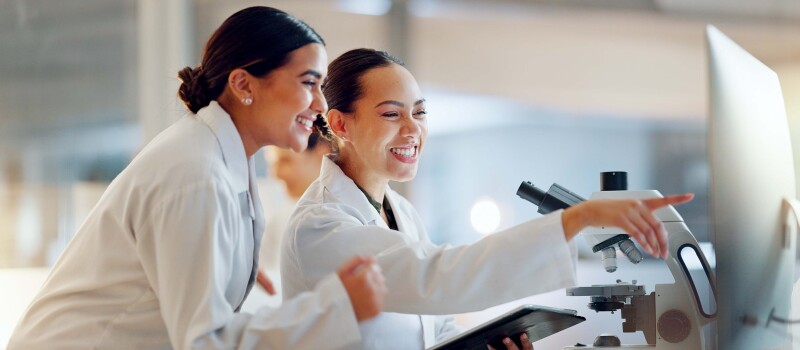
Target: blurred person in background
377,124
295,171
169,253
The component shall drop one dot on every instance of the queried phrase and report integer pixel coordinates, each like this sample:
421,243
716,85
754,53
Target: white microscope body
672,317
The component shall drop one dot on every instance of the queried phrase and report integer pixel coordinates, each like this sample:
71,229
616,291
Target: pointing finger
656,203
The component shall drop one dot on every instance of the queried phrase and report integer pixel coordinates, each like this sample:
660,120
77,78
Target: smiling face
286,101
386,132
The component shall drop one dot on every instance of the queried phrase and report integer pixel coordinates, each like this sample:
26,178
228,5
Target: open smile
406,154
304,122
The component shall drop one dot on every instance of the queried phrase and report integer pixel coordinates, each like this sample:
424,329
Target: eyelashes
419,114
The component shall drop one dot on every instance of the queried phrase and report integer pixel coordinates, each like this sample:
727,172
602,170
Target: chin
405,176
298,144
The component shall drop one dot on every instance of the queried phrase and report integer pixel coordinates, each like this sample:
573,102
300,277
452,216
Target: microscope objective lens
629,249
609,257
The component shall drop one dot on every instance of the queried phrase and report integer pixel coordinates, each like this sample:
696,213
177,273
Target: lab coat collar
230,142
344,190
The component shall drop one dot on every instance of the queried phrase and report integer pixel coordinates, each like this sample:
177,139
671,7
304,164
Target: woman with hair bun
170,252
377,123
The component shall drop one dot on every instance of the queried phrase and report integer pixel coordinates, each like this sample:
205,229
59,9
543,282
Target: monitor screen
752,174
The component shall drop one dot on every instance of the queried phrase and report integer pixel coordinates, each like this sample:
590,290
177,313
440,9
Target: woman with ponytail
170,252
377,123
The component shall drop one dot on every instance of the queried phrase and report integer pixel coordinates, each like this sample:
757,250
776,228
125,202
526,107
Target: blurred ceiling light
371,7
485,216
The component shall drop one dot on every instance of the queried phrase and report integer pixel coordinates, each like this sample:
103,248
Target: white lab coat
269,253
169,254
334,221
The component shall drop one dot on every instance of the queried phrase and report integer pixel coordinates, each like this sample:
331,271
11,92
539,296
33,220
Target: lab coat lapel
230,142
400,214
258,229
242,177
345,190
258,224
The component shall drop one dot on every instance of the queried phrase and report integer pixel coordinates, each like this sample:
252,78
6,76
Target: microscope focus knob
674,326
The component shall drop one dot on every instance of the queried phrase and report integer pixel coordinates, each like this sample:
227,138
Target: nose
319,105
411,129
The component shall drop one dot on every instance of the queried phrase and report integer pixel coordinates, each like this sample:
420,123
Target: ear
240,83
337,121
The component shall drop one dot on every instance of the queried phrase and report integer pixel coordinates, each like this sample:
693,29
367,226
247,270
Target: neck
237,112
296,191
374,185
250,148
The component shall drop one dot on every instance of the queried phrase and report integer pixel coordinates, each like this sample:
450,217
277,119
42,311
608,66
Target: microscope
672,317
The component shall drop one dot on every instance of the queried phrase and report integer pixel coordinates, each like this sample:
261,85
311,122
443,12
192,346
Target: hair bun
194,88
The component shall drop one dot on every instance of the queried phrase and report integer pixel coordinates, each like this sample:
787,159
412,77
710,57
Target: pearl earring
247,101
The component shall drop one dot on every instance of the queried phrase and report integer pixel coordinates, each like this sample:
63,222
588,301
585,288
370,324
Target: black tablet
538,321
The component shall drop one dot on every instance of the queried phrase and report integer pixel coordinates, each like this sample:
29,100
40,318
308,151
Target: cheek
423,126
382,140
302,99
292,101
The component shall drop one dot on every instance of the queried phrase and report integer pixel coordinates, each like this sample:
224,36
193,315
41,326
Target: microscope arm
681,240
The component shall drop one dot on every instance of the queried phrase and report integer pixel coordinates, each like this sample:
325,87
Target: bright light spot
485,216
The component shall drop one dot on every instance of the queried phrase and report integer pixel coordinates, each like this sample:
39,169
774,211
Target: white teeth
405,152
307,123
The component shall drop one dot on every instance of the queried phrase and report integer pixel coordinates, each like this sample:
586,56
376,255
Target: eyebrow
398,103
313,73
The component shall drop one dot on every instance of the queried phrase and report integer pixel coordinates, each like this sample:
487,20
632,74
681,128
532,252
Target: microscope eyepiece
531,193
557,197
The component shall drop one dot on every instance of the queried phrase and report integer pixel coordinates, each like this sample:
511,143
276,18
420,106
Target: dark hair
342,87
315,140
257,39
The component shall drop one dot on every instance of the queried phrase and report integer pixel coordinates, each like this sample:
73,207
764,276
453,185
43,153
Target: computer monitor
752,178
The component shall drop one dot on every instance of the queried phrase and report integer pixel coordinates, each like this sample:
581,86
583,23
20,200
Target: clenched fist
365,285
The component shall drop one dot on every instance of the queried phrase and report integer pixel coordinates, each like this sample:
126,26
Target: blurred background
537,90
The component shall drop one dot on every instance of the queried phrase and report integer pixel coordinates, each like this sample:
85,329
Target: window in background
68,85
459,167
